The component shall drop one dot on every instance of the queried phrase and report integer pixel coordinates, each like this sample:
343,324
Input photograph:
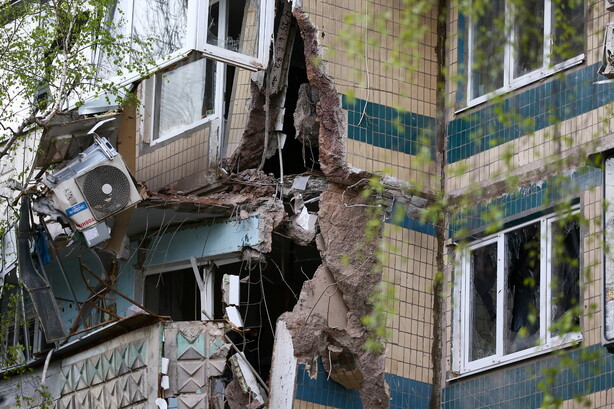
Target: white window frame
151,96
196,36
509,82
463,304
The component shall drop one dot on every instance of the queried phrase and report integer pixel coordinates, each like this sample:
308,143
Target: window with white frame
515,286
512,43
180,99
191,93
237,32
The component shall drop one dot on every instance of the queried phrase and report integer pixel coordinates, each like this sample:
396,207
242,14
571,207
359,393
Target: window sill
184,130
569,341
523,81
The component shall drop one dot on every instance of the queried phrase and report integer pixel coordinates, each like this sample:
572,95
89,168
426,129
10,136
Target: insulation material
234,316
300,183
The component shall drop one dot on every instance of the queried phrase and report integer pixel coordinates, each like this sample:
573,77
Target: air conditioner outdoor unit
607,68
93,186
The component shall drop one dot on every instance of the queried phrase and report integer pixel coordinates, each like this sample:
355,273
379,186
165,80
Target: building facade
219,243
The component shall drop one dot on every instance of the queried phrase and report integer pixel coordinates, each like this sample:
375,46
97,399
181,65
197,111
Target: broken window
174,294
250,292
515,287
237,32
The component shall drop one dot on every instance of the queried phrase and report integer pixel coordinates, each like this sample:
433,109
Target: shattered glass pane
565,284
522,278
186,96
160,24
242,26
484,302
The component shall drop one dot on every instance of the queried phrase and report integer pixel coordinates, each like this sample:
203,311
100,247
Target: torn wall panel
342,219
268,94
197,352
332,121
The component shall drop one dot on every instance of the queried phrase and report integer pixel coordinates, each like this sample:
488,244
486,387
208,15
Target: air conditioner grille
106,190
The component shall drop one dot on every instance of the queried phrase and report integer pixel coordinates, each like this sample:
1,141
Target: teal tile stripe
410,223
387,127
558,99
516,387
528,199
404,392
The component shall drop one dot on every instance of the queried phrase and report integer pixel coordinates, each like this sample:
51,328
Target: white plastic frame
462,323
509,82
196,36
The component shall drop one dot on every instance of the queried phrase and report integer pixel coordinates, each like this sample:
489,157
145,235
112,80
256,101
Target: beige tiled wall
530,152
238,111
400,165
395,87
591,279
409,265
167,162
372,79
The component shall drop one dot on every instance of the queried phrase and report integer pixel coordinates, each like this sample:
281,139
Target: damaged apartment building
199,249
218,244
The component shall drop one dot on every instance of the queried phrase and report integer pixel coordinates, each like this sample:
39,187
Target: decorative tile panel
192,402
190,348
197,352
118,377
191,376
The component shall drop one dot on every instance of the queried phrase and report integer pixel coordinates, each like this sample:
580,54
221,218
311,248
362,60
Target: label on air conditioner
79,207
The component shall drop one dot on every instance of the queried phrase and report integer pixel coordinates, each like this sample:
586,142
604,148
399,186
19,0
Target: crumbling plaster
326,321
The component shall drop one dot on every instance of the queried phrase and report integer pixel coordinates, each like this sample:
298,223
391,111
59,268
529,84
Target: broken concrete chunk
244,375
302,229
237,399
306,220
231,289
300,183
305,118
